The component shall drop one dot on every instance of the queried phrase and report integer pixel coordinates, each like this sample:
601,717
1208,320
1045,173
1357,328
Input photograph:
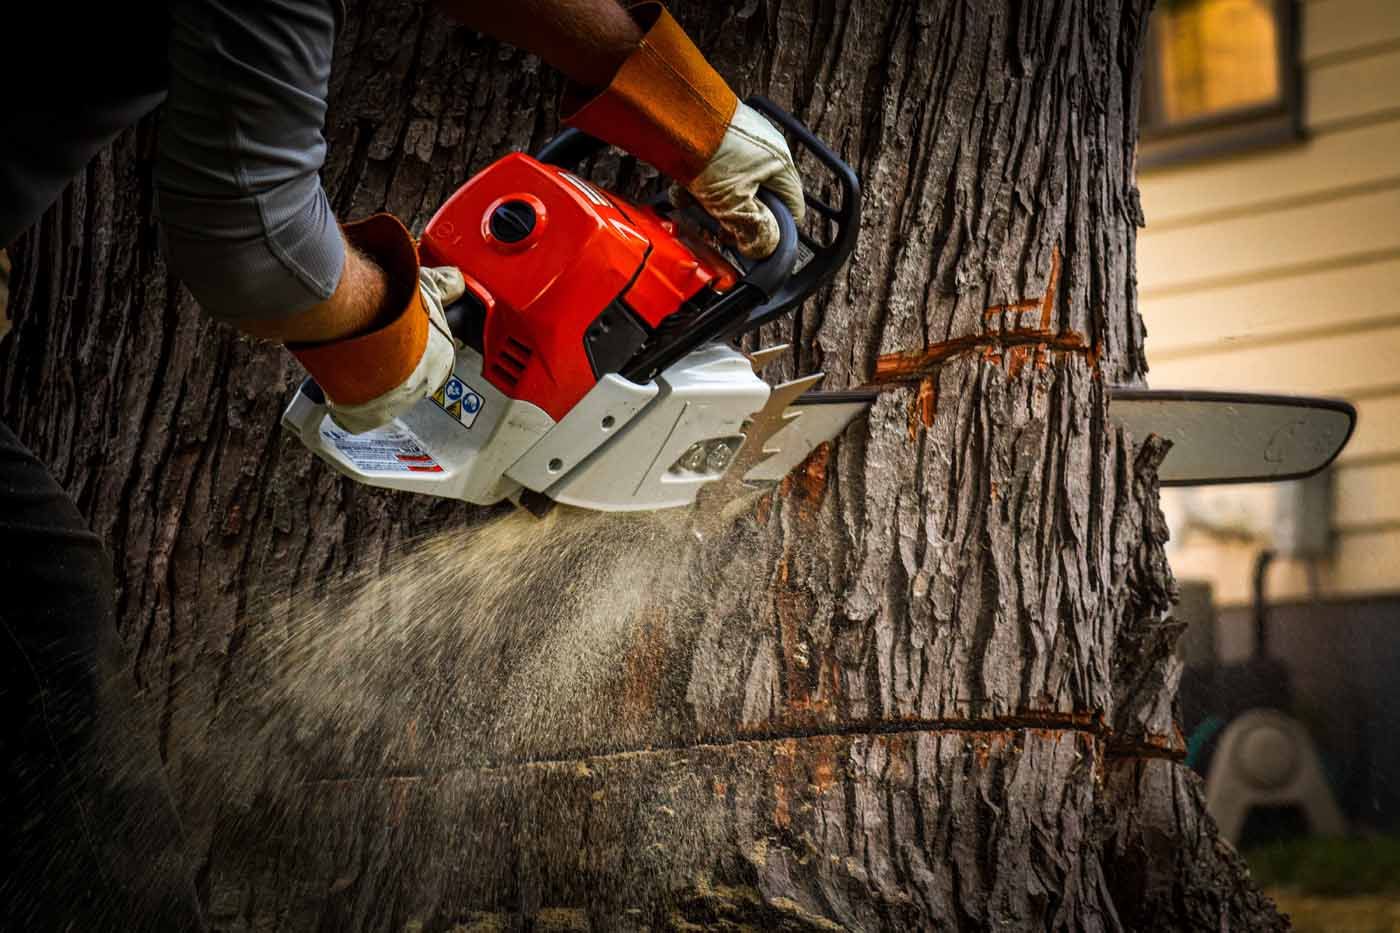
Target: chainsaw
599,364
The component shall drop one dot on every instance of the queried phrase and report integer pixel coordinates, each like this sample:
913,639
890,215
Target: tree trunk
927,683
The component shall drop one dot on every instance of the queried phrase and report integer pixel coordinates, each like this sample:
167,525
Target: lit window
1219,76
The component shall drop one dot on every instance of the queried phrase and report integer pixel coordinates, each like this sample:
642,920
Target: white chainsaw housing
459,449
702,404
623,447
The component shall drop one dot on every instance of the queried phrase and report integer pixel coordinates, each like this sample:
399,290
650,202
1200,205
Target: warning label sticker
390,449
459,400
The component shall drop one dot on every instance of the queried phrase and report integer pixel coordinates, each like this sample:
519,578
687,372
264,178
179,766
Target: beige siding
1368,496
1364,565
1377,430
1336,28
1349,296
1280,271
1346,365
1353,89
1354,157
1267,243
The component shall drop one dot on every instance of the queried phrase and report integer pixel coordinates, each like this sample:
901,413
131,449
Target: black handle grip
769,274
828,257
570,149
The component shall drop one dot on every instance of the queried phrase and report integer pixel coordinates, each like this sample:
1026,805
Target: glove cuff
665,105
359,369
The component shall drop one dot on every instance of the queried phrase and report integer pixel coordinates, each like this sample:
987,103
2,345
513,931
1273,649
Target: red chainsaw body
572,277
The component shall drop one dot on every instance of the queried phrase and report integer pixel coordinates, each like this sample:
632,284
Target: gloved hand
438,288
667,106
753,154
373,378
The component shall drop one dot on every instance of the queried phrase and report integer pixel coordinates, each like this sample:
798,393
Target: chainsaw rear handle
781,288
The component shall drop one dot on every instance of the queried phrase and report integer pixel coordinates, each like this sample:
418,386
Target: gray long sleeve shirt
245,222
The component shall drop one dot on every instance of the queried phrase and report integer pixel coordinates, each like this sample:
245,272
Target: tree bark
927,683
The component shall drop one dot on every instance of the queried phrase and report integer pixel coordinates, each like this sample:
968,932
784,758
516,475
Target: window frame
1229,132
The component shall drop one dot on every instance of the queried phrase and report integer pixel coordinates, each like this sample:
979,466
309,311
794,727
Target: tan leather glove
373,378
667,106
752,154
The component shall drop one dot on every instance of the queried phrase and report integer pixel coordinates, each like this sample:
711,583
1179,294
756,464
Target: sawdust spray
492,645
520,641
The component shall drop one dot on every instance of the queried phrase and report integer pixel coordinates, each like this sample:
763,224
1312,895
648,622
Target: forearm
586,40
356,306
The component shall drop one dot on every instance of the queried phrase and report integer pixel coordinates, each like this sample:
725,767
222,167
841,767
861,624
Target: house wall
1280,271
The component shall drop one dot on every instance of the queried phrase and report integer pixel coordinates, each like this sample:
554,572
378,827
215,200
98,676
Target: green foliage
1331,867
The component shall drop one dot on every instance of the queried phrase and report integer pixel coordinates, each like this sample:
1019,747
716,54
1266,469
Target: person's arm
585,40
248,228
355,307
638,82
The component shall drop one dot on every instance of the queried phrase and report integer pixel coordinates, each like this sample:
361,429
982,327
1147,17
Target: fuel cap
512,221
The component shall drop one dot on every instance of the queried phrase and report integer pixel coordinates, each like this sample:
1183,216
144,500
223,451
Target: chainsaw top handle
571,148
780,282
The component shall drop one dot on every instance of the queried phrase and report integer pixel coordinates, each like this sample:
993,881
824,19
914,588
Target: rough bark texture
927,683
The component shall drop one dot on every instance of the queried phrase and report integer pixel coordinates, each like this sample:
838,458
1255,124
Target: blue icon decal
459,400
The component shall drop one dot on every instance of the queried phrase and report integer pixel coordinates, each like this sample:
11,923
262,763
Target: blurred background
1270,176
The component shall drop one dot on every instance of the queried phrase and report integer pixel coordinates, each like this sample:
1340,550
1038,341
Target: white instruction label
390,449
459,400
